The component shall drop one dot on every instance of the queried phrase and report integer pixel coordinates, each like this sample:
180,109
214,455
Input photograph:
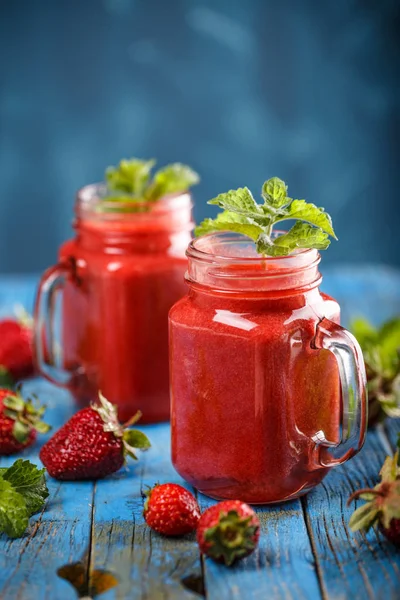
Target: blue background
239,89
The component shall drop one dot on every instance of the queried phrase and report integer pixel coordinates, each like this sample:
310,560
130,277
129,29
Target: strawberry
16,354
228,531
92,444
383,503
19,422
171,509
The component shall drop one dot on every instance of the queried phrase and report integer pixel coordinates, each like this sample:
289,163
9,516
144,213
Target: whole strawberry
383,503
19,421
92,444
228,531
171,509
16,354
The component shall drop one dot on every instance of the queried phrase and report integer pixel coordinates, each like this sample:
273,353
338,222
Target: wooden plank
283,566
147,565
58,535
359,565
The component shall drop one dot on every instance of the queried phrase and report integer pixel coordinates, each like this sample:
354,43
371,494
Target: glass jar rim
91,202
302,257
213,263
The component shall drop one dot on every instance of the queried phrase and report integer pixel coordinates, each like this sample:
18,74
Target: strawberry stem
134,419
358,493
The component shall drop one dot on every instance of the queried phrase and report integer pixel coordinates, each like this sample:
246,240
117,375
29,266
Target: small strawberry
19,422
228,531
171,509
16,354
383,503
92,444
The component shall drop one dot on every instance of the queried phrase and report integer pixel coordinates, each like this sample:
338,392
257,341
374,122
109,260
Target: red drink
120,276
257,407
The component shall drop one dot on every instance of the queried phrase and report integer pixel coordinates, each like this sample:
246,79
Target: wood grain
351,565
306,550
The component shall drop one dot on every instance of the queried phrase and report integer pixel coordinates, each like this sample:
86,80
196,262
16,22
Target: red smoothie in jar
122,273
252,395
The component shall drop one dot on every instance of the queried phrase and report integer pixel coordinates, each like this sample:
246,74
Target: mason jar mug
116,281
268,391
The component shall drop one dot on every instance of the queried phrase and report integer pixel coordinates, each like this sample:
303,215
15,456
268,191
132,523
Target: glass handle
354,403
47,347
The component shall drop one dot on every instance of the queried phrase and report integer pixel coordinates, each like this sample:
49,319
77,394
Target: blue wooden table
306,549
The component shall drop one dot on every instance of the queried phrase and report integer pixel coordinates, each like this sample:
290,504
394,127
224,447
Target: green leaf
136,439
389,344
29,481
40,426
14,517
301,235
305,211
130,176
364,331
312,228
6,379
229,221
390,469
20,431
274,192
364,517
172,179
240,201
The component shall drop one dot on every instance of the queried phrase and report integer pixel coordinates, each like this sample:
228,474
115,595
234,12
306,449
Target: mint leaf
312,228
13,512
172,179
305,211
130,176
29,481
229,221
301,235
240,201
274,192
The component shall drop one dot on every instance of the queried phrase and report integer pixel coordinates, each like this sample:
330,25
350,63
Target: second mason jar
268,390
118,278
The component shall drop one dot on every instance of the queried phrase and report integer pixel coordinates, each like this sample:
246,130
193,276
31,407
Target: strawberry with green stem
20,421
228,531
92,444
382,506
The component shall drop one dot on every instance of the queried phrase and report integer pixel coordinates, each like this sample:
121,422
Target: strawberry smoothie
124,272
251,395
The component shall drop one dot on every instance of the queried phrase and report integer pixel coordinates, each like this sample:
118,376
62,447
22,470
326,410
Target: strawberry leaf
364,517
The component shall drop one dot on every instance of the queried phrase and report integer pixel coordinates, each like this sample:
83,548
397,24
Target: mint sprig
130,183
23,492
242,214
